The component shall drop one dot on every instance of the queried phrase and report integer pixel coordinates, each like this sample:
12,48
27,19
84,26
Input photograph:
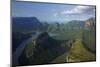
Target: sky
50,12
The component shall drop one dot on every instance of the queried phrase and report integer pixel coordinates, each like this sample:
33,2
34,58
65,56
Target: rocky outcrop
90,24
46,49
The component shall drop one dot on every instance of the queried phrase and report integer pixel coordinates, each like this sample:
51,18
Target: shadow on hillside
46,50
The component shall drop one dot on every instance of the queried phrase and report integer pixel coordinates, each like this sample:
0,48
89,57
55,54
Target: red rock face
89,24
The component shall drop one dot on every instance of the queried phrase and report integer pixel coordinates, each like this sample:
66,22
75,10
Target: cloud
55,14
79,10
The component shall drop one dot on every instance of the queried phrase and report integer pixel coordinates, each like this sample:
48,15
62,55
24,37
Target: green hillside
80,53
77,52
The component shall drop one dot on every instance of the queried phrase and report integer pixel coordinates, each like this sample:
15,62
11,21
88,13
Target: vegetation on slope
80,53
77,53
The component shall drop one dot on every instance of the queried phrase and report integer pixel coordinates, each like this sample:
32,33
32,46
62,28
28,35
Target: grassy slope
77,53
60,59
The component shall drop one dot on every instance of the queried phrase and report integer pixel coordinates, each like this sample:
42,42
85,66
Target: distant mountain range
32,23
25,23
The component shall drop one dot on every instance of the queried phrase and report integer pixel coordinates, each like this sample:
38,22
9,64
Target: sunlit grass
80,53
